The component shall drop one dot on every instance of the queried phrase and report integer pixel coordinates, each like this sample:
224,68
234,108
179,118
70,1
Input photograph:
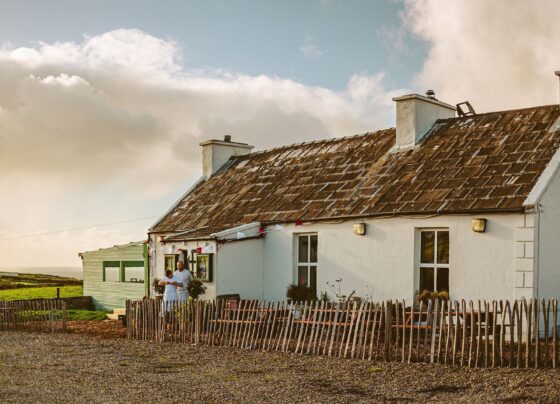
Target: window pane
313,276
302,276
303,249
443,279
134,274
313,252
427,247
443,247
427,279
112,274
170,263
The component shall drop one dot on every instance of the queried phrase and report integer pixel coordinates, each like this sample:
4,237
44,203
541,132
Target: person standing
182,277
170,295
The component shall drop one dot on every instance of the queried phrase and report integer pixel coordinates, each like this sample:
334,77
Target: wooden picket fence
518,334
48,315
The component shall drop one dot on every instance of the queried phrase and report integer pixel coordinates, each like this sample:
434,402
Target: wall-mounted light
479,225
360,229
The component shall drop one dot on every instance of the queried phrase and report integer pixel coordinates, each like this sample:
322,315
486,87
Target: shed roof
483,163
115,247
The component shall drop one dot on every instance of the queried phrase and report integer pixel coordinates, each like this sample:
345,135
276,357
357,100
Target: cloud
497,54
310,49
108,128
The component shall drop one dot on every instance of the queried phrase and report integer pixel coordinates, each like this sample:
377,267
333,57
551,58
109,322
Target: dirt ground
76,368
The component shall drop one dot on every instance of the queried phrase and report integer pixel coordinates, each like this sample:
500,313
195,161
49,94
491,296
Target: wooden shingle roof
483,163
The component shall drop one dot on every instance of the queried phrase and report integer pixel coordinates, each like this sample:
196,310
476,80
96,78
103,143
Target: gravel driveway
72,367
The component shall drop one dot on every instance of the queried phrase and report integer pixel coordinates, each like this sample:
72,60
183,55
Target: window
111,271
133,271
434,260
169,263
307,260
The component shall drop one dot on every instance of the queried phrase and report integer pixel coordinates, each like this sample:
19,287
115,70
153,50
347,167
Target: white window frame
435,264
308,263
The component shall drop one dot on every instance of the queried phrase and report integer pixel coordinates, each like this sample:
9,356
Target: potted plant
158,289
300,293
195,289
426,295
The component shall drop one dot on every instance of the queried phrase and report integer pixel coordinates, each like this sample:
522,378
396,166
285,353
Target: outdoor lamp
479,225
360,229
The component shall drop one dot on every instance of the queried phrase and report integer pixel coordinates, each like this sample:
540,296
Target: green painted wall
112,295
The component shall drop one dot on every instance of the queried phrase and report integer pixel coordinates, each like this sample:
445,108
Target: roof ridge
309,142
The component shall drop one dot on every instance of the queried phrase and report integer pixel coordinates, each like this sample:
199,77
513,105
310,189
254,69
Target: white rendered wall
382,264
548,272
239,269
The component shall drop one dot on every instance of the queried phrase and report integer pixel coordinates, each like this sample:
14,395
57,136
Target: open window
111,271
133,271
307,260
434,260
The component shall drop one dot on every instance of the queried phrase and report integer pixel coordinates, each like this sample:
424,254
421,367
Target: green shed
113,275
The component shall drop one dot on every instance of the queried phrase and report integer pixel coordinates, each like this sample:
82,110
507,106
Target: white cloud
497,54
106,128
310,49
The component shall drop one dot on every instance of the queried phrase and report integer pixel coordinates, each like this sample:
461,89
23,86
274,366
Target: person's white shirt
170,292
183,277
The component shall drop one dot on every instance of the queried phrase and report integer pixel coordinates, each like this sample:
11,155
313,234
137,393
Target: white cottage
467,204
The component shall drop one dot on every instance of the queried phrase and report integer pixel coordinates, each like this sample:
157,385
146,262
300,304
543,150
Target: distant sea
69,272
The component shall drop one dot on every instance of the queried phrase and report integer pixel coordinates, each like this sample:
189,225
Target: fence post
388,330
64,316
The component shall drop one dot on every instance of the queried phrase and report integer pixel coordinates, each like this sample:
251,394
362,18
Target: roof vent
431,94
465,109
227,138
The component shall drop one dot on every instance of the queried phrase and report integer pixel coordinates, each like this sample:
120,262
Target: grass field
48,292
85,315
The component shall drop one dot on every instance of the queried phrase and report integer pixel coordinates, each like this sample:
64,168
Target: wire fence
519,334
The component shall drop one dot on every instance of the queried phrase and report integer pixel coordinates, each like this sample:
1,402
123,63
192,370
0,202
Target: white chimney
416,114
215,153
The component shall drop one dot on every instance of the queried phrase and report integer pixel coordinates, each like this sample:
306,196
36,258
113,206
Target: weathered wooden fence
519,334
38,315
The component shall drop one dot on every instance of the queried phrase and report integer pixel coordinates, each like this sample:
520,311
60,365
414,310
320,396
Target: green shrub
299,293
426,295
195,289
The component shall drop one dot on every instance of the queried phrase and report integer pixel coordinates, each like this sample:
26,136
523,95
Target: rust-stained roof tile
483,162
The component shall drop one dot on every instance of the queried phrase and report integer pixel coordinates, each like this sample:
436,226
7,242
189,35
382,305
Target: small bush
159,289
298,293
195,289
426,295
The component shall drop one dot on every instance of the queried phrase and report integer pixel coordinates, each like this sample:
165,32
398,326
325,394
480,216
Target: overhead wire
48,233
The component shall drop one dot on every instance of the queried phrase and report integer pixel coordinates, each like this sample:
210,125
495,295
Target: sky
103,103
